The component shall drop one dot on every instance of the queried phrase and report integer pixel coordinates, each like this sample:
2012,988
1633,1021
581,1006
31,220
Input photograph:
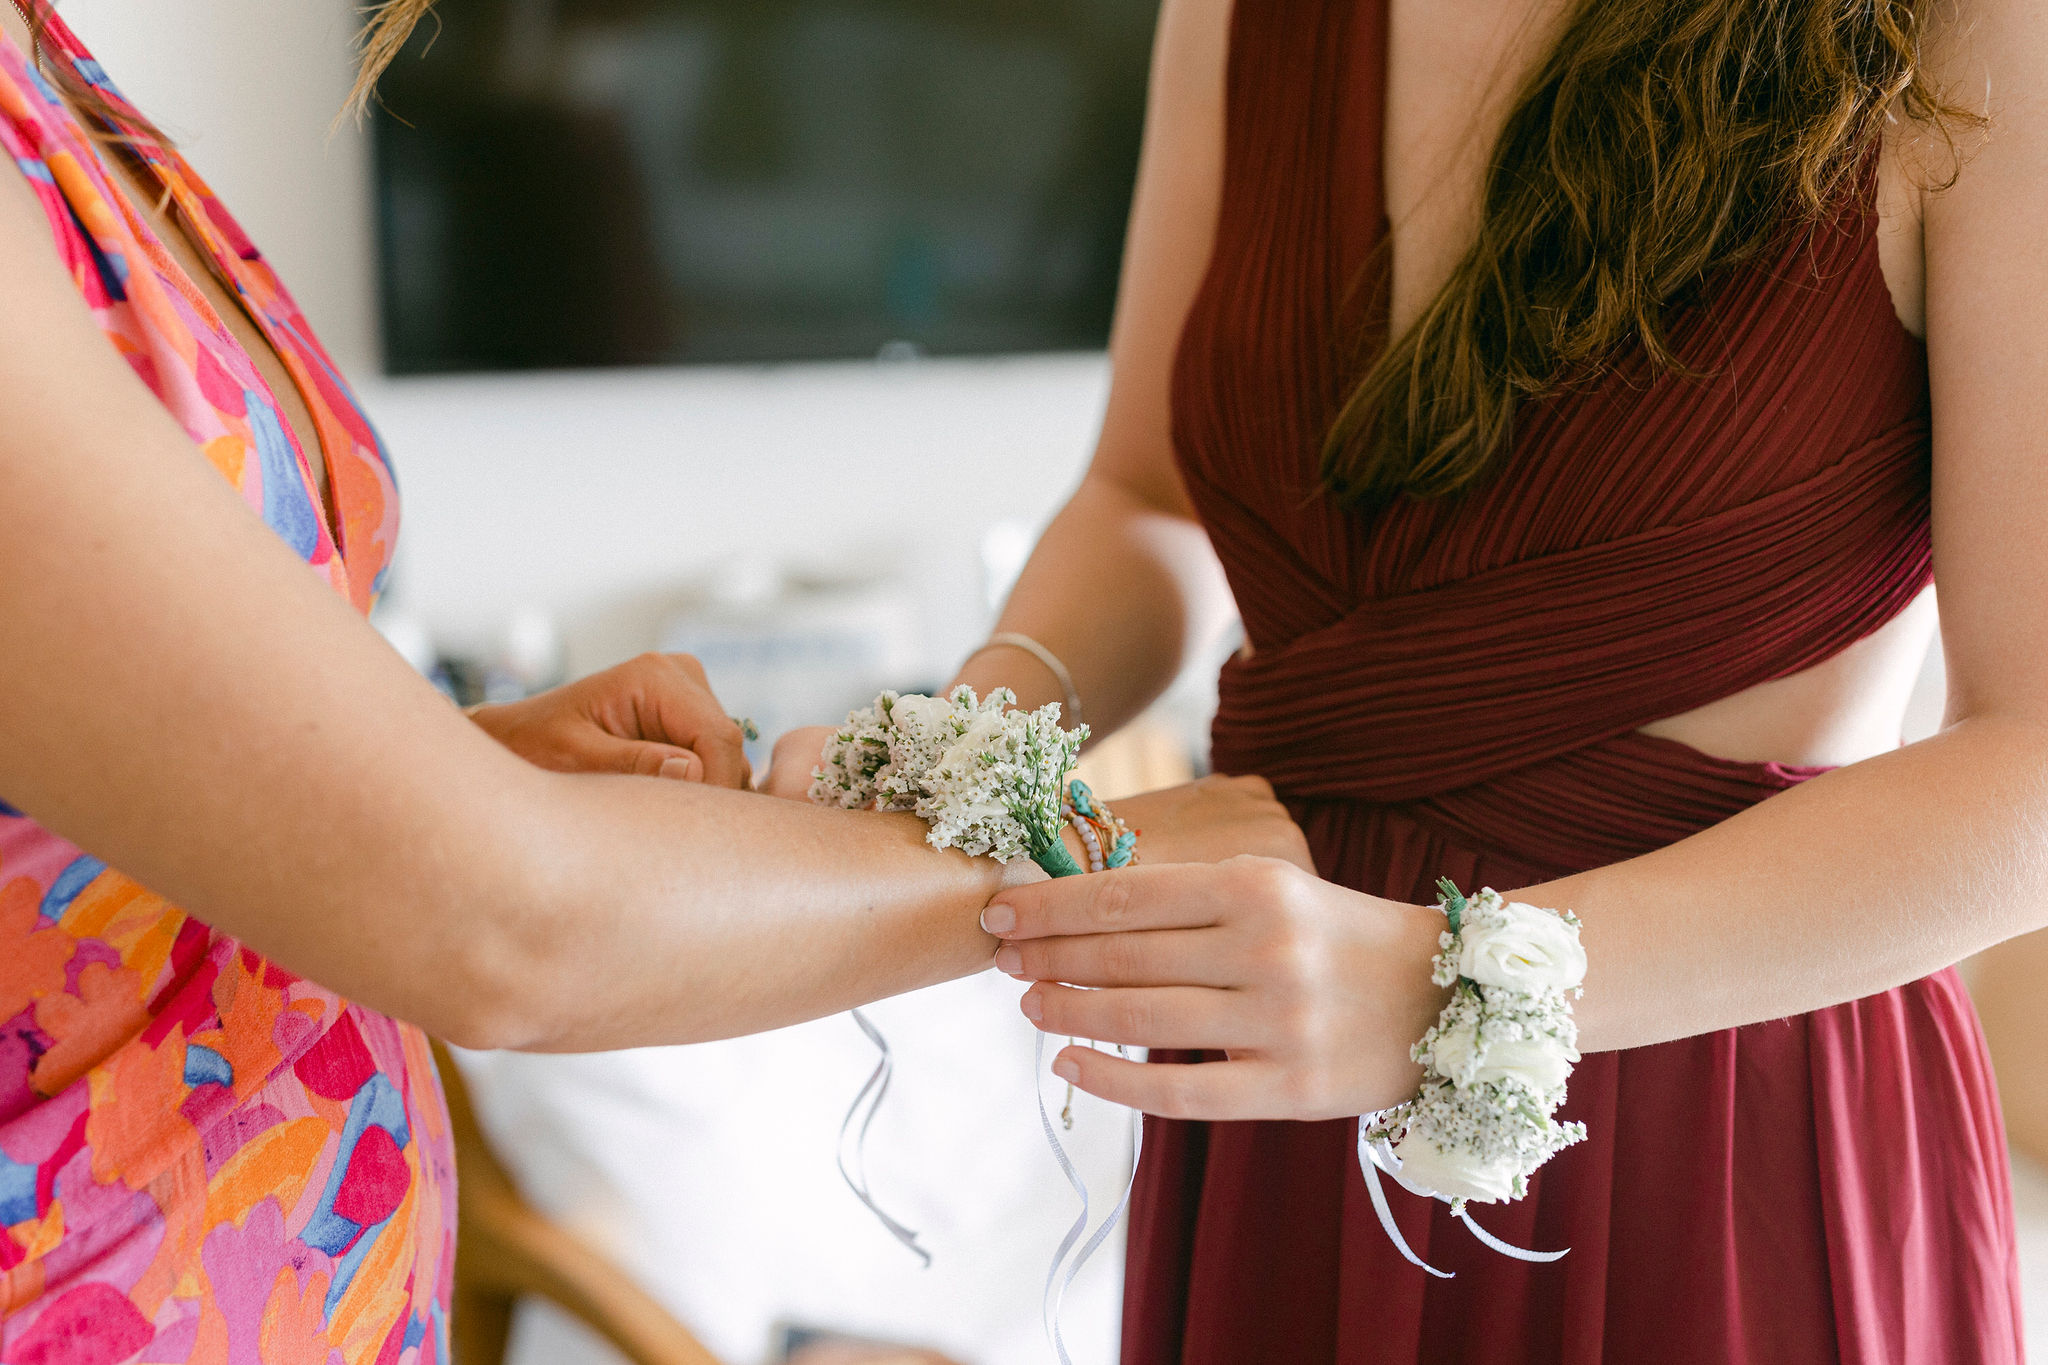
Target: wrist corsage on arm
989,780
1494,1066
997,782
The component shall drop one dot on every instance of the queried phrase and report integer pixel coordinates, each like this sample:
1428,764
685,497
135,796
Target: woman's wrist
1414,1003
999,665
1076,849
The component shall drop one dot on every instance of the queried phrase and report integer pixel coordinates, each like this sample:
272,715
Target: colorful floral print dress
203,1158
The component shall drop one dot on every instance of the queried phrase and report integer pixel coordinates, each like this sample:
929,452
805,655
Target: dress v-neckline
207,242
165,167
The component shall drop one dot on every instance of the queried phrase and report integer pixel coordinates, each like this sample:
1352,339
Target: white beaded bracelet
1494,1066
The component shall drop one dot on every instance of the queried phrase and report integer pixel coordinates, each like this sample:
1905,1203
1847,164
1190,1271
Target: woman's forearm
728,912
1860,880
673,912
1124,593
183,699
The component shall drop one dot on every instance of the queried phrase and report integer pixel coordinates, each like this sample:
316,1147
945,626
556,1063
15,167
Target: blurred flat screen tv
623,182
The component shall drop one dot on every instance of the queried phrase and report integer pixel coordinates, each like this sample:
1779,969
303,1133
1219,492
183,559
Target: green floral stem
1056,861
1454,902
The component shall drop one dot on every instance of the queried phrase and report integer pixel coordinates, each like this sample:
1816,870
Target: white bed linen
707,1172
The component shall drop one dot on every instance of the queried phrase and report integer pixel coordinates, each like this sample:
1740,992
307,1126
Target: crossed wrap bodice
1457,687
1408,696
1688,535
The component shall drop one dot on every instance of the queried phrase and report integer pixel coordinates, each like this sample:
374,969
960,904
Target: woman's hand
1213,818
654,716
1313,992
796,754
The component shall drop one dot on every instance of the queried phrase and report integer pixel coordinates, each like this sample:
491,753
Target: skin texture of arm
183,698
1855,882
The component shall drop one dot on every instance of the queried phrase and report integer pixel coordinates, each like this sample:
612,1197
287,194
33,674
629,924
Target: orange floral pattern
203,1158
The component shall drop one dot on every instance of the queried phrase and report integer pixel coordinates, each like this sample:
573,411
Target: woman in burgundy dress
1579,397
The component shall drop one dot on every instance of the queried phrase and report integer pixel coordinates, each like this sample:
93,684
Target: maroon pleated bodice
1455,687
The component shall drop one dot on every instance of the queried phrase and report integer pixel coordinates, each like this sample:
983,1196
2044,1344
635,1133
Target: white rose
921,718
985,735
1542,1064
1428,1169
1521,947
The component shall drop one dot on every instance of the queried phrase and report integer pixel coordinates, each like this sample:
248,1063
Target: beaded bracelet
1108,840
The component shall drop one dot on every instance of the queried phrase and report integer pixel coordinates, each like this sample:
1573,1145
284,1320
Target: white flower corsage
1494,1066
989,780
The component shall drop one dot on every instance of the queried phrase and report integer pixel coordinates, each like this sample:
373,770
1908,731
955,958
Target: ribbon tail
1049,1301
1369,1158
1504,1248
1109,1224
863,1109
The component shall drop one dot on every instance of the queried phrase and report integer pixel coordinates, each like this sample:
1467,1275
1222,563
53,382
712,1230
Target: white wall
586,493
249,88
590,494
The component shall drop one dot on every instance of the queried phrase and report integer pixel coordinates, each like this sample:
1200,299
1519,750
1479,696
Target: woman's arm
1860,880
1123,586
1883,871
183,698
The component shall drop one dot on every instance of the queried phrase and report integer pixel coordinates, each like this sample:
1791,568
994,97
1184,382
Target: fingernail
680,769
998,919
1067,1069
1033,1006
1009,960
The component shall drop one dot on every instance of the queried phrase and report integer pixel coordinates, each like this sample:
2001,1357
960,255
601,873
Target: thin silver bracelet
1014,640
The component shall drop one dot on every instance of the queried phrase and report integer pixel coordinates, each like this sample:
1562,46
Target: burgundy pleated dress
1454,688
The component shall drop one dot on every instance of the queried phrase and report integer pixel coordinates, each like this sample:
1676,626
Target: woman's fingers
1170,896
1246,1089
675,705
591,750
1161,957
1187,1017
681,767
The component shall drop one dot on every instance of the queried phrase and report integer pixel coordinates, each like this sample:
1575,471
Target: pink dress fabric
203,1157
1454,688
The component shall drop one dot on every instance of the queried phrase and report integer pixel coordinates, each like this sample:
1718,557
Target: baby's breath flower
1496,1062
985,777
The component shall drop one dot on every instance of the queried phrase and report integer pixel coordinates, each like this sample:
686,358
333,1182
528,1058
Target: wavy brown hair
1658,143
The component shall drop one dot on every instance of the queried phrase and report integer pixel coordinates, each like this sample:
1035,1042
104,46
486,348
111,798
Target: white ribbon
1375,1156
1519,1253
1055,1283
871,1096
